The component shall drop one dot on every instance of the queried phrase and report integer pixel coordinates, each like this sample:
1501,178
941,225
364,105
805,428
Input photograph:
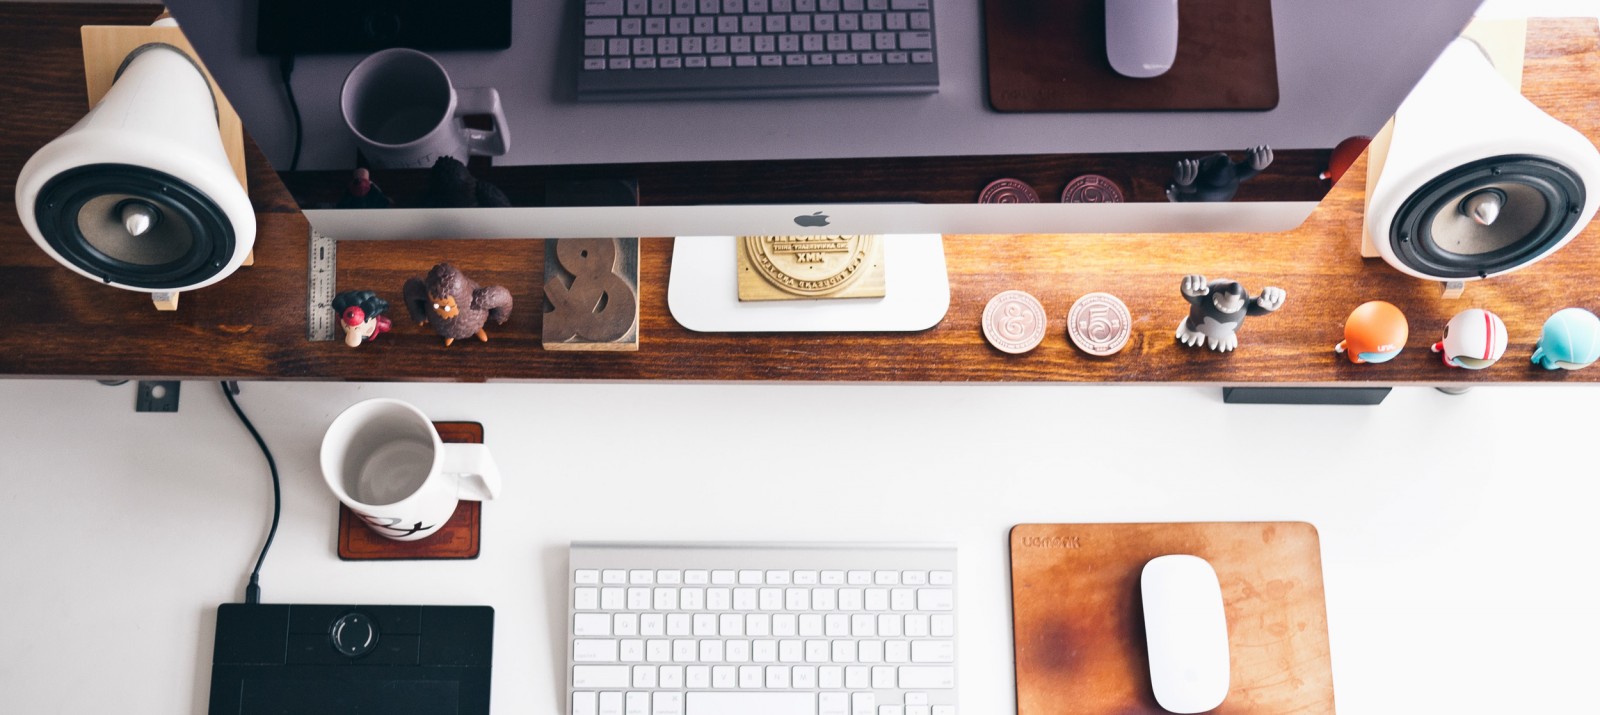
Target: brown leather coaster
457,539
1080,623
1051,57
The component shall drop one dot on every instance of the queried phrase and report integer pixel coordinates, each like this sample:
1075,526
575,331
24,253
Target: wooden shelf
252,325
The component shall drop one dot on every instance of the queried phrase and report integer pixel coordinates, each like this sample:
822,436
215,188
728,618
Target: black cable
286,71
252,592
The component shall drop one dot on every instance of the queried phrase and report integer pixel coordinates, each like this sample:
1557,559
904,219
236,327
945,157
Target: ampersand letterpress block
591,294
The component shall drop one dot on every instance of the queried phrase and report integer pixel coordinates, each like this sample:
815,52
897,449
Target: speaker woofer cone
191,242
1432,235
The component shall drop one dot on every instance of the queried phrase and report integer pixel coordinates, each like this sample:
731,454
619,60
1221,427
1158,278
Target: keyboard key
890,710
833,703
723,578
594,48
896,58
784,624
863,704
849,599
791,651
857,677
900,599
942,710
935,599
721,61
916,698
638,704
644,676
589,650
625,624
859,578
836,625
587,576
751,676
736,651
916,41
652,624
764,651
794,60
872,58
777,677
918,710
845,652
600,676
804,677
666,599
655,26
611,703
591,624
789,703
889,626
933,652
632,27
810,624
585,704
913,677
894,21
709,7
771,599
638,7
818,652
638,577
883,677
731,624
872,22
594,63
871,652
921,21
922,58
585,599
941,578
671,676
724,676
797,599
944,626
878,599
692,599
697,676
744,599
632,651
599,28
757,625
612,599
638,599
711,651
830,676
863,625
666,704
602,8
685,650
897,652
705,624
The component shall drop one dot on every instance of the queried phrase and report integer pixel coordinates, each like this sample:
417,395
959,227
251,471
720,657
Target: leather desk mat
1050,56
1079,622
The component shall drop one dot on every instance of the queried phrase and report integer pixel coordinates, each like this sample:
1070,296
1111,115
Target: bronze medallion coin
1091,189
1099,324
1014,322
809,265
1008,191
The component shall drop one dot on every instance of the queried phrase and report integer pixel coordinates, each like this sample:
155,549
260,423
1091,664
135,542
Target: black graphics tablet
351,660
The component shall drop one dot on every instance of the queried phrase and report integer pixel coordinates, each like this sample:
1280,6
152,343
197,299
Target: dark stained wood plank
252,325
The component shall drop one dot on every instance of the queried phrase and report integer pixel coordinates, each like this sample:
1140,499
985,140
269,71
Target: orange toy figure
1375,332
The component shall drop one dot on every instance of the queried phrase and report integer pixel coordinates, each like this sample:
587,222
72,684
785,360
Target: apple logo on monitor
814,220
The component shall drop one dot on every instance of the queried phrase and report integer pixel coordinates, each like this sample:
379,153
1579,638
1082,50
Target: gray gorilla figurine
1216,309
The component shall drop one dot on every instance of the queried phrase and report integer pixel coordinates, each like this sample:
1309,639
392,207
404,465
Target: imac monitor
861,164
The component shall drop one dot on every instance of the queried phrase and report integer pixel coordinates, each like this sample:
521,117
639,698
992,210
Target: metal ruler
320,267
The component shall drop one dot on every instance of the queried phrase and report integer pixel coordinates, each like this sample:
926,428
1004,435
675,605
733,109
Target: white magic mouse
1141,36
1186,632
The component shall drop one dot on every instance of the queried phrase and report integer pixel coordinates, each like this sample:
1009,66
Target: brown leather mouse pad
1050,56
1079,623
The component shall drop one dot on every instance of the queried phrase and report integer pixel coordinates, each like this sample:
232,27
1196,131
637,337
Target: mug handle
476,474
483,100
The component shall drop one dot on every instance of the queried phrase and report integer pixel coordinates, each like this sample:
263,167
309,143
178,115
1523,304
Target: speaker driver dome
187,239
1486,217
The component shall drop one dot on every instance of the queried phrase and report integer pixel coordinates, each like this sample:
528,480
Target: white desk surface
1458,535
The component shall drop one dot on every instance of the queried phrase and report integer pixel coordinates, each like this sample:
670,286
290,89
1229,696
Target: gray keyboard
732,49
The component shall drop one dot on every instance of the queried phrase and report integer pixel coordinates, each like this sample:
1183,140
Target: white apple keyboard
762,629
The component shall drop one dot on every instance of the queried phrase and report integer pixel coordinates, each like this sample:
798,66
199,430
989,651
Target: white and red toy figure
1473,339
361,316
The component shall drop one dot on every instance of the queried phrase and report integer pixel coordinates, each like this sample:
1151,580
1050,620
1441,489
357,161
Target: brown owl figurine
454,305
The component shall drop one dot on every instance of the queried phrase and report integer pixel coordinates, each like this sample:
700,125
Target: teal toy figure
1570,340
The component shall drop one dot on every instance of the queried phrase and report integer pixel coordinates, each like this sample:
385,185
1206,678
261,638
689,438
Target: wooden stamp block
591,294
810,267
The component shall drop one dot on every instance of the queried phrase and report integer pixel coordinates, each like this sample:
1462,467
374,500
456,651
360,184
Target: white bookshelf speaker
140,194
1478,181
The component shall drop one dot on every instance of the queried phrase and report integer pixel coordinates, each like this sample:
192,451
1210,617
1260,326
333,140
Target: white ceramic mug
385,461
405,113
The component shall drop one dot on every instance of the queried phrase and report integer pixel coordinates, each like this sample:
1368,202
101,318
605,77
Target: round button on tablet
354,634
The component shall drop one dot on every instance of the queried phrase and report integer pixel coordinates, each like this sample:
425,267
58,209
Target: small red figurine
361,316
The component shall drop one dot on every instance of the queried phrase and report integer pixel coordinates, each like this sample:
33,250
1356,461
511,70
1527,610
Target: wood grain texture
1079,623
252,325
